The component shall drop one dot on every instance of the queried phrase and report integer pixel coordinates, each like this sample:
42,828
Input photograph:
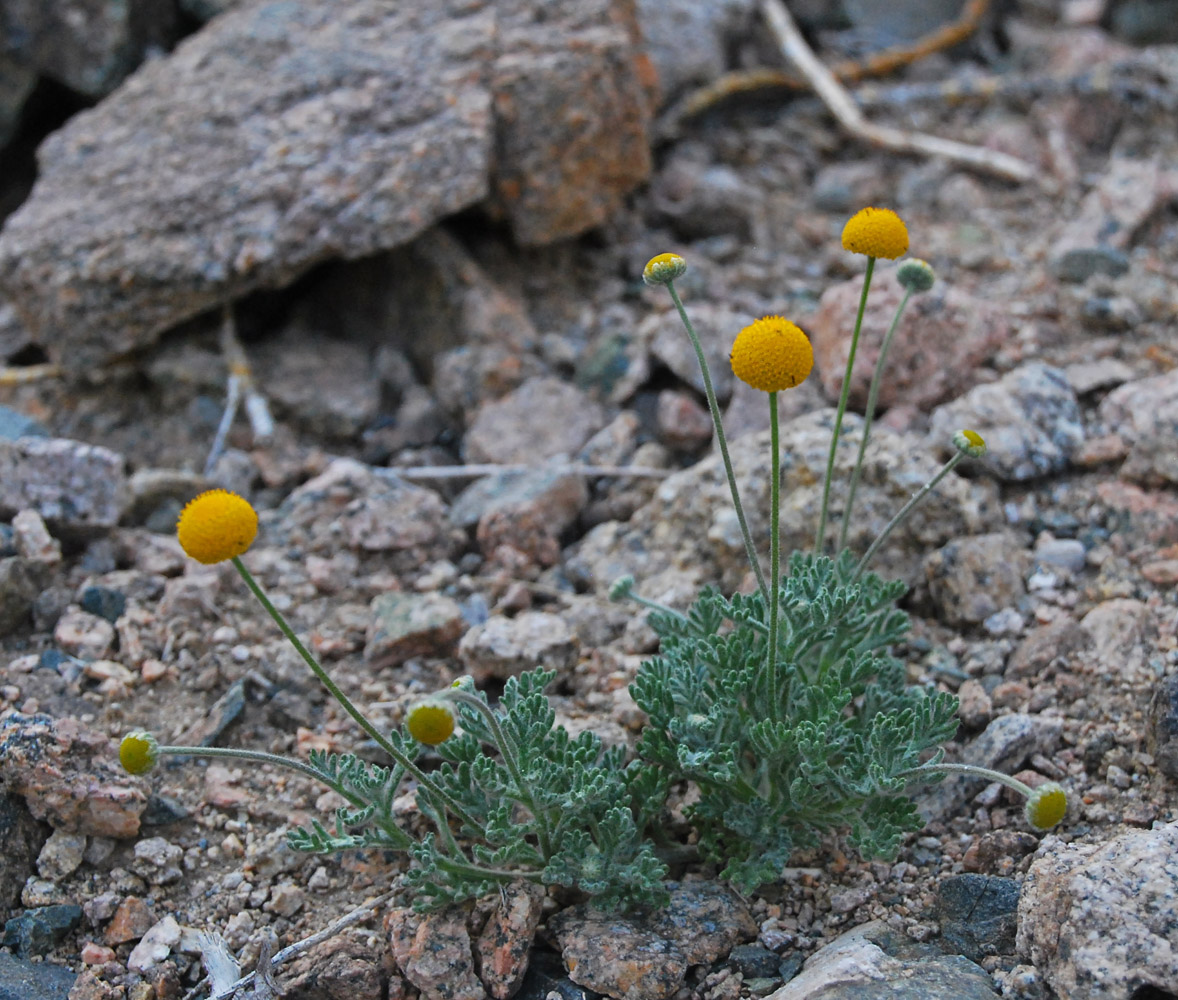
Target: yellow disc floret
772,354
664,269
138,752
876,232
431,721
970,443
1046,806
216,526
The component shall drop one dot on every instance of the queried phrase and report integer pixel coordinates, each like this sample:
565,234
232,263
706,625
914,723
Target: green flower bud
139,752
621,588
970,443
916,275
664,269
1046,806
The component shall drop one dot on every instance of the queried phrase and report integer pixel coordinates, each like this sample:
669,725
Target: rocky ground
392,346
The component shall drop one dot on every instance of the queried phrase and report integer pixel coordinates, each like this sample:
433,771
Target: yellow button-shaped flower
876,232
216,526
431,721
772,354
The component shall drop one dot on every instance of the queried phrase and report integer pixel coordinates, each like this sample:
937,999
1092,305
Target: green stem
970,769
868,417
510,751
291,764
646,602
904,512
418,774
842,408
774,551
478,871
714,407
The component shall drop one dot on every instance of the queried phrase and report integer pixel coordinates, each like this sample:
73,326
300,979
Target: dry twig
24,374
842,105
240,384
475,471
355,916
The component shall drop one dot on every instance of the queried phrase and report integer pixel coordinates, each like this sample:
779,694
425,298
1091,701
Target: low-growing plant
785,709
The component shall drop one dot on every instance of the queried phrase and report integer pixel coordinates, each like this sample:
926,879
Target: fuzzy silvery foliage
777,768
575,817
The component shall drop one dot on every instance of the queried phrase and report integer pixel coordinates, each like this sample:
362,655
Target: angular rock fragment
283,135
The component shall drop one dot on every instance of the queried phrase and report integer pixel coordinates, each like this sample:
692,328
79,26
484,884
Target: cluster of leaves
776,768
551,809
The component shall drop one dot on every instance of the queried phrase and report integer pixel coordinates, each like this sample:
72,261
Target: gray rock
501,647
1061,553
970,579
70,484
20,980
61,855
977,914
542,419
69,775
323,384
505,944
269,142
1093,240
1004,745
856,967
1121,639
16,83
1048,647
682,422
715,325
637,957
88,45
369,510
702,200
1029,418
533,523
21,838
21,583
38,929
688,531
404,625
1143,409
433,950
688,41
1161,737
943,337
1098,921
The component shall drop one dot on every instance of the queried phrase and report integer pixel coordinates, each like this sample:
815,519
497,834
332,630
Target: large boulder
287,133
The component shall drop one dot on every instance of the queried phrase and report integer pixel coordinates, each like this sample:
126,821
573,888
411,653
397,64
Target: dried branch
842,105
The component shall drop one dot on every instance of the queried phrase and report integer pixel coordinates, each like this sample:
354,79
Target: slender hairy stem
658,606
714,407
774,552
905,511
842,408
868,417
510,751
972,770
334,690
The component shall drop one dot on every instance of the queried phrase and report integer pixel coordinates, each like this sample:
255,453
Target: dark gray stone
1162,734
21,838
753,961
88,45
546,976
104,602
33,980
21,582
37,930
162,810
978,914
1081,263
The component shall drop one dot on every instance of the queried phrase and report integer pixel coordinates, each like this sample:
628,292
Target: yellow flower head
431,721
772,354
138,752
664,269
216,526
970,442
1047,805
876,232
